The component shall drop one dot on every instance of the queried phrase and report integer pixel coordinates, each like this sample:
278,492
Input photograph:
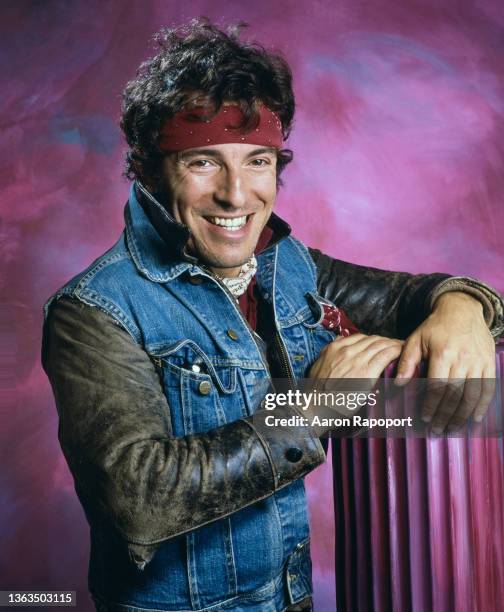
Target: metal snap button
204,387
293,454
232,334
195,368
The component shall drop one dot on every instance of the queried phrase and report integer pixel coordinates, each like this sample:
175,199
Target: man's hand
458,345
356,356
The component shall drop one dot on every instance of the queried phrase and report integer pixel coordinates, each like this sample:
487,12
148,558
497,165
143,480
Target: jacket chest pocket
317,339
319,335
201,390
308,336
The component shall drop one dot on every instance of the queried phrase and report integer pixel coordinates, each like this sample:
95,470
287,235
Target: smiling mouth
231,224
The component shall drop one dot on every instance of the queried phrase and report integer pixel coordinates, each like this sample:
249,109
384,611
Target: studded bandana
189,129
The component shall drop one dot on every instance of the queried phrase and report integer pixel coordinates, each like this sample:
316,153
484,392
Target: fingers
459,398
450,393
346,341
382,358
487,392
466,395
437,374
409,360
469,400
356,356
452,408
326,360
358,341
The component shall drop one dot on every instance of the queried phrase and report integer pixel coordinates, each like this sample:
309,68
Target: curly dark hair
201,59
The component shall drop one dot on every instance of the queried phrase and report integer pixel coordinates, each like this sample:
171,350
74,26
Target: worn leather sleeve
115,432
394,304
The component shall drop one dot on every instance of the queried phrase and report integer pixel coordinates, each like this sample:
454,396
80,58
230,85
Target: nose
231,189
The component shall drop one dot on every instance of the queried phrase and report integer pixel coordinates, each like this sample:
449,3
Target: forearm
155,489
490,300
115,431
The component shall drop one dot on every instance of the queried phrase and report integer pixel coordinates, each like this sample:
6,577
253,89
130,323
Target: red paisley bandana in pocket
336,320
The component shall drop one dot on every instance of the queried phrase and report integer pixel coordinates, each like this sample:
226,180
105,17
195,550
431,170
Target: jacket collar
157,241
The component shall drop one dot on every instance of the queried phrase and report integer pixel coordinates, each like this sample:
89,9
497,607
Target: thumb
410,357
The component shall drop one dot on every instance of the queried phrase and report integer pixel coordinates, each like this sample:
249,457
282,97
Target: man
161,351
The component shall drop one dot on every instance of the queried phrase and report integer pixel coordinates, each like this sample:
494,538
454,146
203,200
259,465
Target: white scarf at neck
238,284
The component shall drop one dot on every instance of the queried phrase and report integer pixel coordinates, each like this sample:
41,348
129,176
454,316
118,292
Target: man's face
225,194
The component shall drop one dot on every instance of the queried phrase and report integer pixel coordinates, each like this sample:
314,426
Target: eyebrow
215,153
194,152
262,150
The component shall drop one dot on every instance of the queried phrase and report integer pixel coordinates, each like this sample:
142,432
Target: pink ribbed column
398,524
460,519
378,508
362,519
420,522
420,576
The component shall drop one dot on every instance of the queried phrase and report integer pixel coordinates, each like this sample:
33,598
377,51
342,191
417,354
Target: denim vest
183,317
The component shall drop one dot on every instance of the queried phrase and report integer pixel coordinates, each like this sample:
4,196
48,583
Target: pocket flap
189,357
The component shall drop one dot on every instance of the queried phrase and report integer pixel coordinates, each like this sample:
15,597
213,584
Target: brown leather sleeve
115,432
379,302
395,303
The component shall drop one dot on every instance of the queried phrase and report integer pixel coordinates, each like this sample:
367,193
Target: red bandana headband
183,131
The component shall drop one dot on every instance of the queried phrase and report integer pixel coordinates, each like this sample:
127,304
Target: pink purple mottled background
399,161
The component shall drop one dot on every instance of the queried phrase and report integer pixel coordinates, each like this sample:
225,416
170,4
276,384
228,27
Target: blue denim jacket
183,317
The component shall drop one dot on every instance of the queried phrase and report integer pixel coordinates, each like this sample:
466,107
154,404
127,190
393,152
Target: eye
259,162
201,164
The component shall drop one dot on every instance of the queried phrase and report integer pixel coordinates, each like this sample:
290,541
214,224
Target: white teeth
230,224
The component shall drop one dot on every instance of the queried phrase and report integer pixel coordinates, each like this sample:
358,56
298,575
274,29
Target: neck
238,283
226,272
